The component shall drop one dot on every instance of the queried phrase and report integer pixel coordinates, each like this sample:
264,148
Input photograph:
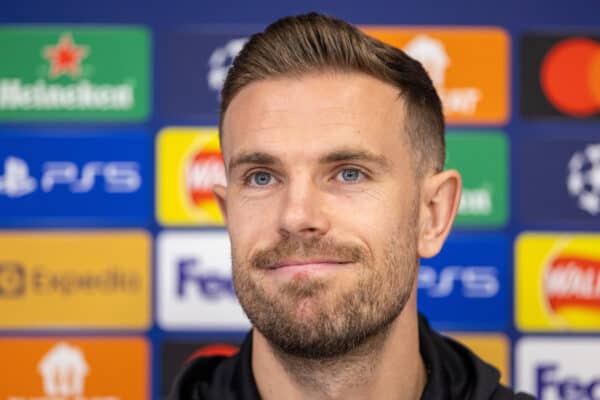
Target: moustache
299,248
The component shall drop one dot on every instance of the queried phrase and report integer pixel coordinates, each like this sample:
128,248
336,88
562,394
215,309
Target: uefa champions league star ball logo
220,61
583,180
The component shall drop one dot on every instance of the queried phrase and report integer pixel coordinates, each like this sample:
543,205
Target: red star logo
65,57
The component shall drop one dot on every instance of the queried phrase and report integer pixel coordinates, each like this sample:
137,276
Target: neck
387,366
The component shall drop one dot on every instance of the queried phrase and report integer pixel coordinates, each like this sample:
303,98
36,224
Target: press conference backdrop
114,263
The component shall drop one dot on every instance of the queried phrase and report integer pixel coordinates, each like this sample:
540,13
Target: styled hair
303,44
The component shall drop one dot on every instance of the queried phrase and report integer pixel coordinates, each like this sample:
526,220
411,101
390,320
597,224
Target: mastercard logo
572,287
570,76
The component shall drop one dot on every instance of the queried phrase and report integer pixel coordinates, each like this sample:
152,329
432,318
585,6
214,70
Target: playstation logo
16,181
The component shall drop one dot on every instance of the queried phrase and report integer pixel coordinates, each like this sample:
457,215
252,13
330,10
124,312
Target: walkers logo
175,354
189,163
557,282
465,286
469,68
60,178
558,368
566,175
195,64
69,73
83,369
560,75
492,348
93,280
482,160
195,289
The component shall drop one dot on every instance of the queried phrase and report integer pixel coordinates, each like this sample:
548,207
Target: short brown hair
312,42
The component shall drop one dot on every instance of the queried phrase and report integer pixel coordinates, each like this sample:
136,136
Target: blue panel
466,287
559,181
194,66
58,178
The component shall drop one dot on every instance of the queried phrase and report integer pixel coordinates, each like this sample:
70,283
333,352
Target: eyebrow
256,157
355,155
261,158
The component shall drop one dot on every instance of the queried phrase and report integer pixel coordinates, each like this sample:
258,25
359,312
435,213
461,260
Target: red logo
572,281
65,57
570,76
204,170
213,350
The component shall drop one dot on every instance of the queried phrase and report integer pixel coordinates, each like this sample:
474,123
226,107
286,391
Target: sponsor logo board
61,178
189,163
564,174
492,348
557,282
74,280
175,354
558,368
560,75
195,288
465,286
59,73
195,64
74,368
482,160
468,66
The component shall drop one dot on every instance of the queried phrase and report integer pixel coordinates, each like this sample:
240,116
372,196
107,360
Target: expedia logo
203,170
16,280
12,280
572,285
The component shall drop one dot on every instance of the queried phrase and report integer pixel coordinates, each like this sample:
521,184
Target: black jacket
454,373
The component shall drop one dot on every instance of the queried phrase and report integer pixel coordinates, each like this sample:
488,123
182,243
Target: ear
220,192
440,197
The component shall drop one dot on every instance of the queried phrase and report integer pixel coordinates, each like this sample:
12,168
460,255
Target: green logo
69,73
482,160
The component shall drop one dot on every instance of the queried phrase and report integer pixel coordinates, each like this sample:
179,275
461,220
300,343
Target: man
333,147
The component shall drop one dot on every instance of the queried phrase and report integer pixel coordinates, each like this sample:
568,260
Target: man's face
321,206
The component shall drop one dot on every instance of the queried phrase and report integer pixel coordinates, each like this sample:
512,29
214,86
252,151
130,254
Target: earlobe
220,192
440,198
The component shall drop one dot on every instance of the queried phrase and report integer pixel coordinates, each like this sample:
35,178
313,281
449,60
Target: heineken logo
75,74
65,57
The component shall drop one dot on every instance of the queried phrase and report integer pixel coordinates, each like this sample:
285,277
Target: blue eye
260,178
350,175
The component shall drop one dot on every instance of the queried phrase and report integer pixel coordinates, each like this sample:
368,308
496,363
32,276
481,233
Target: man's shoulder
455,372
222,377
504,393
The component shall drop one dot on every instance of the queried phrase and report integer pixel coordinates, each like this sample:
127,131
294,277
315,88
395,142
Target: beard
308,317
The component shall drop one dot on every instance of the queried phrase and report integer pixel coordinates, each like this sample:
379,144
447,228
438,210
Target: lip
306,268
306,263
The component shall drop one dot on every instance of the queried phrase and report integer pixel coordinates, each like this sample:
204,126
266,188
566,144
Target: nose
304,210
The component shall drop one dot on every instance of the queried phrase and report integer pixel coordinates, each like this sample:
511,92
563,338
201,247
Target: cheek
250,225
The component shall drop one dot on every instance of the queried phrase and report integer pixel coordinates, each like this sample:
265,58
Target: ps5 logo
117,177
475,281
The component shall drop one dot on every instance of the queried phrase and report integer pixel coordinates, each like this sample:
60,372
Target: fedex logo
190,277
116,177
469,281
194,273
551,385
558,367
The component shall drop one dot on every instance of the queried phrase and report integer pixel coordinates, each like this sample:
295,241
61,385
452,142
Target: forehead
314,110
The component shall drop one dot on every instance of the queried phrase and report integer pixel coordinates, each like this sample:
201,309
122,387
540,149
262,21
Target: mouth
309,267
